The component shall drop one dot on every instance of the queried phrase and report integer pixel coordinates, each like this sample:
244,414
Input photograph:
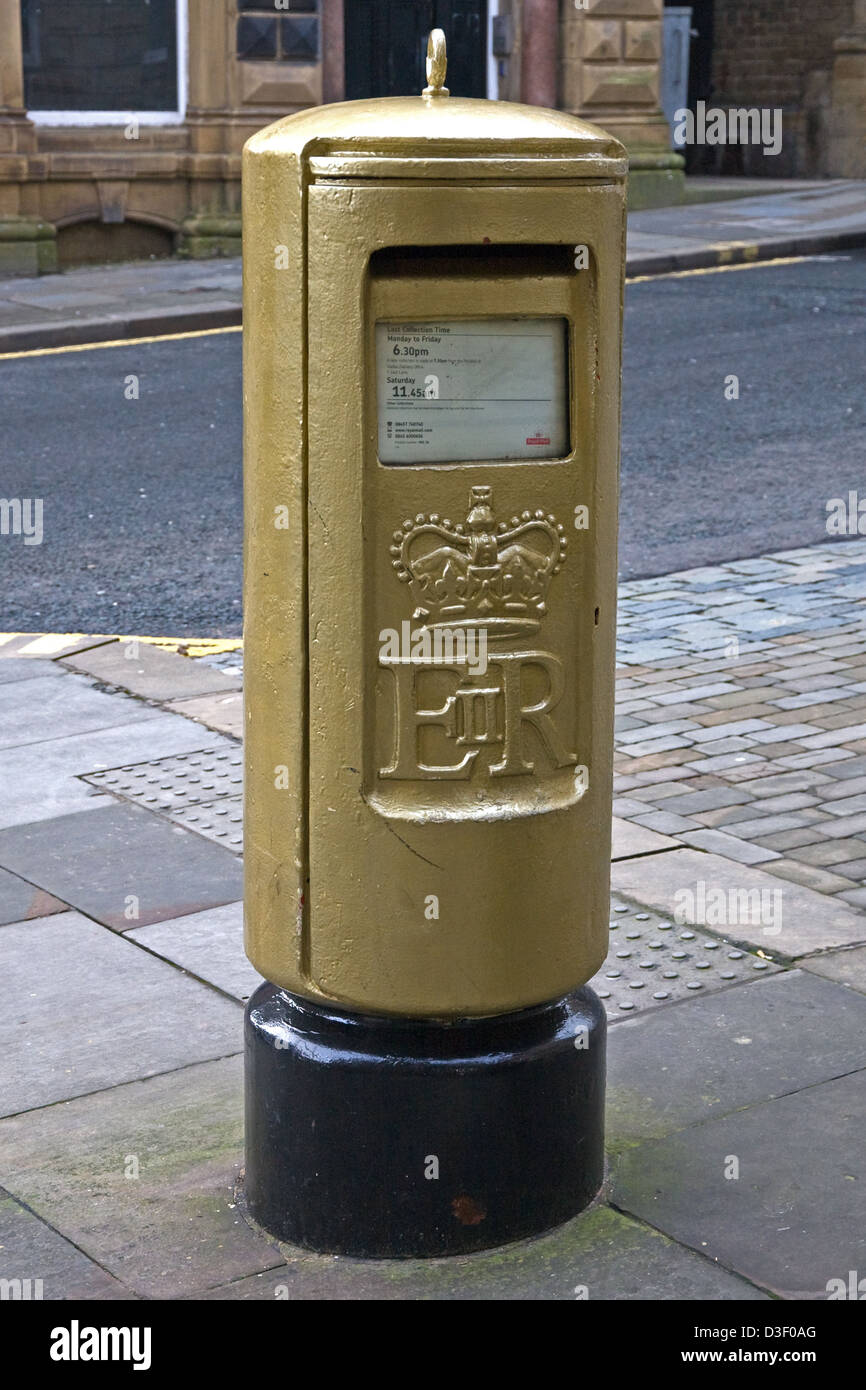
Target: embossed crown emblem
480,573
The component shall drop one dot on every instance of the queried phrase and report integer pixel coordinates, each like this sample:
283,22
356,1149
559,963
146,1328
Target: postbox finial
437,63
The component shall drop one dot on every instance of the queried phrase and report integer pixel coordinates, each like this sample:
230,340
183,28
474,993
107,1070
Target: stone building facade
122,121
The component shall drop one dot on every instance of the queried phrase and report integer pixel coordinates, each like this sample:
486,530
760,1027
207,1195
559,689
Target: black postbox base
385,1137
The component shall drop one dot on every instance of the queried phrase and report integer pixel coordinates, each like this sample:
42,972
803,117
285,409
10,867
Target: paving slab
683,1064
712,799
150,672
208,944
728,845
846,805
47,708
41,780
839,790
787,839
826,852
795,1217
173,1229
83,1009
849,768
671,883
30,1250
123,865
45,645
21,901
665,822
846,967
809,876
845,827
601,1254
20,668
222,712
630,839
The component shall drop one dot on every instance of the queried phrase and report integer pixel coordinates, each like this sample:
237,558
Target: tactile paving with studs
221,820
654,961
199,790
651,959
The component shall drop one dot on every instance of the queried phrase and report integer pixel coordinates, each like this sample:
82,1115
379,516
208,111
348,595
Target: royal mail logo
491,581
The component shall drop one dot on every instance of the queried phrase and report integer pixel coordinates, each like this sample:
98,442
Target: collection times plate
472,390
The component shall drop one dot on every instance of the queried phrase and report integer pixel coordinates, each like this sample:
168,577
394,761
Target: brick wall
763,50
779,53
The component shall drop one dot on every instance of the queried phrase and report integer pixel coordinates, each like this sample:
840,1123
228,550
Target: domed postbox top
436,125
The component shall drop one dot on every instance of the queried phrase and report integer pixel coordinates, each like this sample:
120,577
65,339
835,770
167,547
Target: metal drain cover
654,961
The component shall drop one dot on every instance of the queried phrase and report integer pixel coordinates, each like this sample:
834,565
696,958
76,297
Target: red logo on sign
538,439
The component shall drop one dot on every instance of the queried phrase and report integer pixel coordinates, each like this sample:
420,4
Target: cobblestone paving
741,703
741,700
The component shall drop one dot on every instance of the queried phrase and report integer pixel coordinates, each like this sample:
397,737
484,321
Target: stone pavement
106,303
803,220
734,985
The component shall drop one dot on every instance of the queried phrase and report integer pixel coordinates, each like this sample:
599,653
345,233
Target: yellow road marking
120,342
192,646
44,643
718,269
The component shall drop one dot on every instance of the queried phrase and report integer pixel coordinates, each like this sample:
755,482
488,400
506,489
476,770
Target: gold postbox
432,309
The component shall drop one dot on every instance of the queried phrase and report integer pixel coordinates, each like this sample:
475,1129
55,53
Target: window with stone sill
286,30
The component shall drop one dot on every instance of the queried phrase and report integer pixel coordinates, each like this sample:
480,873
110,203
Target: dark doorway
386,46
700,159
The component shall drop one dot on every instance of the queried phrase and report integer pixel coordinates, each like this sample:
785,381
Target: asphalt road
142,498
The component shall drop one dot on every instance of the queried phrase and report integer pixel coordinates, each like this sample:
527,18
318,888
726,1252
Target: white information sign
468,389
